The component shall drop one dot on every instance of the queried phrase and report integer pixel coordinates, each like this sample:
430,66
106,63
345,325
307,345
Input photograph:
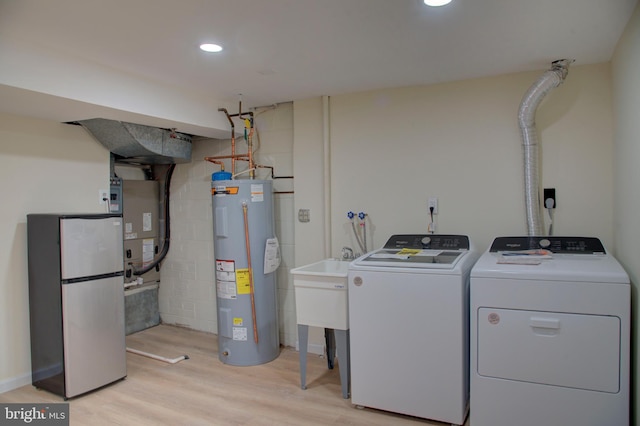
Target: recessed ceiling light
209,47
436,2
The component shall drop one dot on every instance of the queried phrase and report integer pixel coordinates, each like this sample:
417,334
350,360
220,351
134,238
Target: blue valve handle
351,215
361,215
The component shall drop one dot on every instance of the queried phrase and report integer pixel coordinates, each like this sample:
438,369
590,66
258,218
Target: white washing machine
550,334
409,333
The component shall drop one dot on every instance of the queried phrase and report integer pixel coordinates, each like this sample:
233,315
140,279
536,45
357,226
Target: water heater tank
243,226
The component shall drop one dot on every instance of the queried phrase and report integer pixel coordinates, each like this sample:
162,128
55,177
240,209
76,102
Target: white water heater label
225,276
225,265
226,290
271,255
226,279
257,193
240,333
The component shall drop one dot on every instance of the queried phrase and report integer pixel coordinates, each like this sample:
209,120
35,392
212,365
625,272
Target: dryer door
569,350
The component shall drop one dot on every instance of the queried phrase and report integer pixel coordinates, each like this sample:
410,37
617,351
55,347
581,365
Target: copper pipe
251,288
228,116
211,160
220,157
233,140
233,153
252,165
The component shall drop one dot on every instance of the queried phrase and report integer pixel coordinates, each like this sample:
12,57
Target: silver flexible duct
526,119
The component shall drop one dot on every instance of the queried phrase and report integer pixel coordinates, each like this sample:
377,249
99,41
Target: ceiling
138,60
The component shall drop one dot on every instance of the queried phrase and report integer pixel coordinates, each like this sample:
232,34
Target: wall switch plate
304,215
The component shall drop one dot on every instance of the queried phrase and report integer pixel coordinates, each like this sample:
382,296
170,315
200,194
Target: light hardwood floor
203,391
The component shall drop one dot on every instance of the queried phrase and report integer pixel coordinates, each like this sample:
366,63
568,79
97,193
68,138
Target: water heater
245,250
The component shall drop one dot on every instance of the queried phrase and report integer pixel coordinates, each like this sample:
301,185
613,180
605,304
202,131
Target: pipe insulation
551,79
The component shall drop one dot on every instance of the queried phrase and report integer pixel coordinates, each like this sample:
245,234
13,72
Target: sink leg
342,340
303,342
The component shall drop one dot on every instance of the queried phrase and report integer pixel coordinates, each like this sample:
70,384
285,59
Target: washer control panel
428,241
570,245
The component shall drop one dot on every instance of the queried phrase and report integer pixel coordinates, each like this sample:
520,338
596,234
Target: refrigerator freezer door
90,246
94,337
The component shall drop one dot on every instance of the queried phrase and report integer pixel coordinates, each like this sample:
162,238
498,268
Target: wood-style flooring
203,391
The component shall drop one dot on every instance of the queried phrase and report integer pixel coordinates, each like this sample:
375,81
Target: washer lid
412,258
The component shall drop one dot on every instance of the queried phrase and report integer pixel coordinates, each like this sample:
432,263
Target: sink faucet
347,253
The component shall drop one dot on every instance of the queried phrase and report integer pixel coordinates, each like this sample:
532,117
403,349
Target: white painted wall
44,167
460,142
392,149
626,104
187,289
308,168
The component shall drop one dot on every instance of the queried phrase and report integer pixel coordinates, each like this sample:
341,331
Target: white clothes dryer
550,334
409,333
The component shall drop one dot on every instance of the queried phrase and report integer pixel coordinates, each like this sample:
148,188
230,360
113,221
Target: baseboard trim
15,382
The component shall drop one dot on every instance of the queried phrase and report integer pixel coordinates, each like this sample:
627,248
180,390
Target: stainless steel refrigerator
76,301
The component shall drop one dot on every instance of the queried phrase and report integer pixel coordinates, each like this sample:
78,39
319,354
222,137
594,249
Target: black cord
431,213
167,232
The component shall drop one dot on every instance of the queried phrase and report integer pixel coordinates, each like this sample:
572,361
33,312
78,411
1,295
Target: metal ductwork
526,119
139,144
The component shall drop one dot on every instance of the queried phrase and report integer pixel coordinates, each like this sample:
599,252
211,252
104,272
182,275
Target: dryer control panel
428,241
566,245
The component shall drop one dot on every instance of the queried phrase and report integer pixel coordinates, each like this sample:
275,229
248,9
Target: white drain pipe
326,149
526,119
158,357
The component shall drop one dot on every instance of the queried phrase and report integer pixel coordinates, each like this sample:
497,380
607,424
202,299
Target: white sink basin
327,267
321,294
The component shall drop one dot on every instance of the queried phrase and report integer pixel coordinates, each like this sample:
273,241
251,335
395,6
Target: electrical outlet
432,202
103,195
550,193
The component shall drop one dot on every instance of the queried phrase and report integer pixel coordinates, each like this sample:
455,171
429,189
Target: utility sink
321,294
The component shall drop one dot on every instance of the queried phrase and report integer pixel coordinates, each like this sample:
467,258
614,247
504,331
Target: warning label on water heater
257,192
226,279
244,281
226,290
240,333
224,190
